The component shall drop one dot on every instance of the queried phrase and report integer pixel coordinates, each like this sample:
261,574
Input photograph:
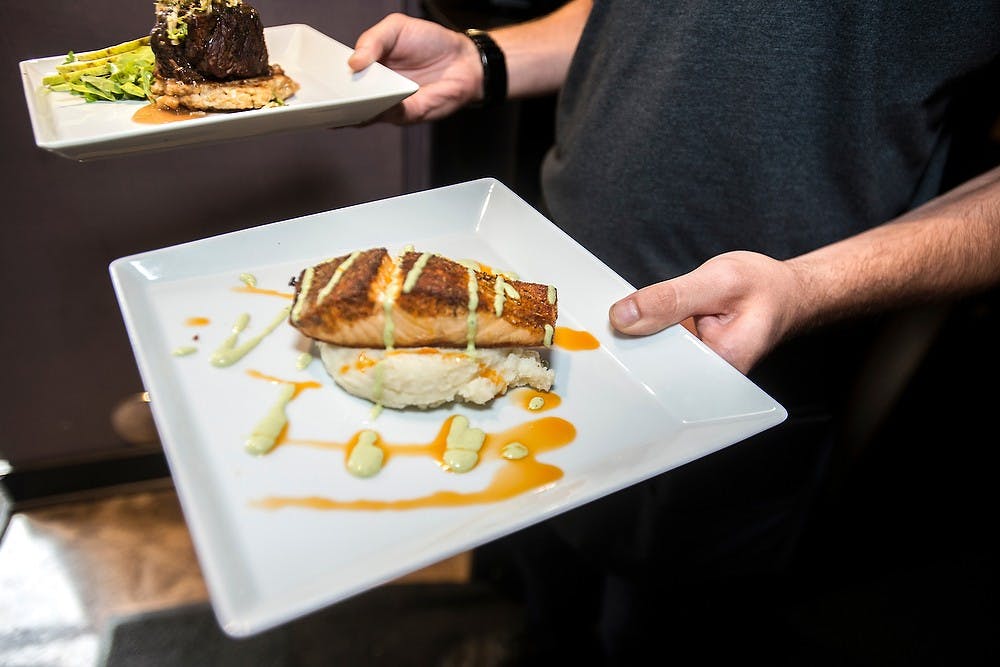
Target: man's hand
741,303
445,63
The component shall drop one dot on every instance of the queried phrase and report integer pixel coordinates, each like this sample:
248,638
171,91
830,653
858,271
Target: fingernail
625,313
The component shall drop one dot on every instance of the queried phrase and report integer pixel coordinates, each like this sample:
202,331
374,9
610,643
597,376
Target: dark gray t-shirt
691,128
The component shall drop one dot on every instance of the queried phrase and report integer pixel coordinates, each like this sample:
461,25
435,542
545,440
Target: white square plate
639,406
331,95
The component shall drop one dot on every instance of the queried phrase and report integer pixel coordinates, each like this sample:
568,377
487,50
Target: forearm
538,52
946,248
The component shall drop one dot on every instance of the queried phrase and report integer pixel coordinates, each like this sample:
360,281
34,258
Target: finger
373,44
368,49
647,310
362,57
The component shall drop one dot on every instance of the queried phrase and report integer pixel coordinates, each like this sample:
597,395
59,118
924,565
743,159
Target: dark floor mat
426,625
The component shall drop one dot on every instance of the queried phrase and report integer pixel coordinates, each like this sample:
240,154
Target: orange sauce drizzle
197,321
511,479
493,376
300,386
246,289
362,363
540,435
154,115
574,339
456,354
522,398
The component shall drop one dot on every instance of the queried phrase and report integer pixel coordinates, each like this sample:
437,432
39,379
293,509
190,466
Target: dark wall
68,361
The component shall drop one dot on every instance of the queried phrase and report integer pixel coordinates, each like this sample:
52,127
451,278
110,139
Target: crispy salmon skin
372,299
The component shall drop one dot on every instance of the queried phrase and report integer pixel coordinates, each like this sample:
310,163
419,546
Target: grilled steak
208,41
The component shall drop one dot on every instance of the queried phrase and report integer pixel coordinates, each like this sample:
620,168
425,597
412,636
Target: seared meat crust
366,305
225,44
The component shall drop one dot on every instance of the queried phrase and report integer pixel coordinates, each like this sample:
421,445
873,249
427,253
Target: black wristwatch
494,68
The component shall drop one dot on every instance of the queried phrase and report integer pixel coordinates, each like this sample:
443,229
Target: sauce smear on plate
574,339
154,115
511,479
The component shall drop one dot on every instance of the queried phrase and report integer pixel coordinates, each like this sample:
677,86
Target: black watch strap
494,67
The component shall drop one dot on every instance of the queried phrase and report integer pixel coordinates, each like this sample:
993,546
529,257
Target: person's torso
687,129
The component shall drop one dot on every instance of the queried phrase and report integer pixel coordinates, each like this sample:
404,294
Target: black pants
629,574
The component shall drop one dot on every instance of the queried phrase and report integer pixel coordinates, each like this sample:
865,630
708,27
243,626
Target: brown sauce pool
154,115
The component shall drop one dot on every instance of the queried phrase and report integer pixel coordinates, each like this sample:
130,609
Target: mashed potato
429,377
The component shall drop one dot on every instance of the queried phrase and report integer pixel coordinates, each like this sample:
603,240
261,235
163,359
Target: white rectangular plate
639,406
331,95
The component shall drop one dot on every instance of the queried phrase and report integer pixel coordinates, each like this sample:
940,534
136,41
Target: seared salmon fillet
371,299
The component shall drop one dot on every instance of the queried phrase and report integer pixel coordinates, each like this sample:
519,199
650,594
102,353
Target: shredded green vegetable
120,72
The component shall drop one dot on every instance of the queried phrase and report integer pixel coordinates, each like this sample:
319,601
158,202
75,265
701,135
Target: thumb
373,44
366,52
360,59
647,310
656,307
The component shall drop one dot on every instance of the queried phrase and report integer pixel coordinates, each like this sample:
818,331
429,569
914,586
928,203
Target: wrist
810,294
493,63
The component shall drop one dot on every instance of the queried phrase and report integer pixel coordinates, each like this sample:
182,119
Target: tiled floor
68,571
